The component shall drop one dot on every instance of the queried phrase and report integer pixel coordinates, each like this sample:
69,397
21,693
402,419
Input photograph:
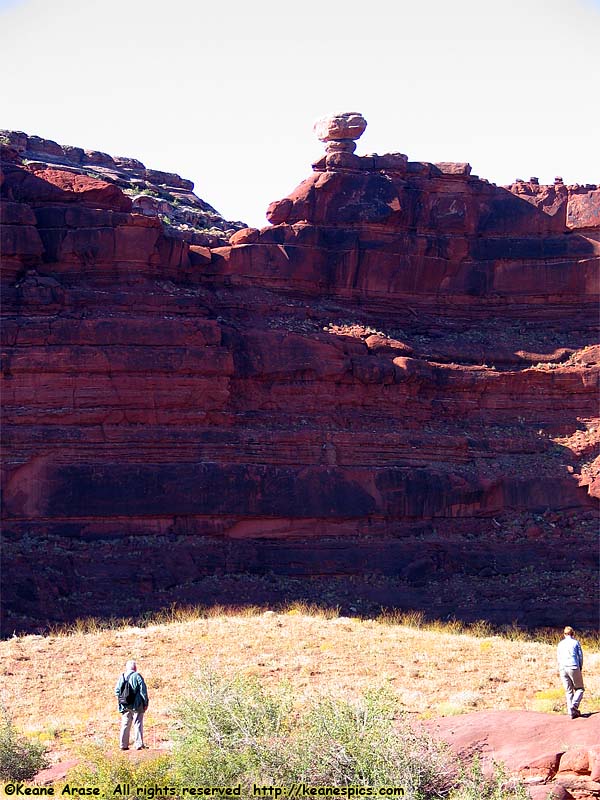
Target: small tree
20,759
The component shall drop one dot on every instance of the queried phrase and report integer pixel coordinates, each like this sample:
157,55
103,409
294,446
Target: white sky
225,92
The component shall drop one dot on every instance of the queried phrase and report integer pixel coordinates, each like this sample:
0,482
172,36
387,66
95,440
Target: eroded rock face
388,397
124,181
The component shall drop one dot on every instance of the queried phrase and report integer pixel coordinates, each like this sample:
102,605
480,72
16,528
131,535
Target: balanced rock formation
386,397
339,131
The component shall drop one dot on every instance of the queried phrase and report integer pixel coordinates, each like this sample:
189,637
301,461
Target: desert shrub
20,758
231,730
360,743
473,784
106,770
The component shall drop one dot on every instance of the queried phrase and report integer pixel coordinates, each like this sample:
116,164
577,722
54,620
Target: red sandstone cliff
388,395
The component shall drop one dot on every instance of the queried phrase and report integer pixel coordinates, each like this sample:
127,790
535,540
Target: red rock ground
551,753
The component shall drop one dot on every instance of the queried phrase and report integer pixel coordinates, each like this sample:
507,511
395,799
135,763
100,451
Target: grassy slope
62,686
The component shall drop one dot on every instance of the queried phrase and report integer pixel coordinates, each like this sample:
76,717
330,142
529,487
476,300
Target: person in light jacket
134,711
570,664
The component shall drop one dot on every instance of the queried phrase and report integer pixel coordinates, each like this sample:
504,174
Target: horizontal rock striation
386,397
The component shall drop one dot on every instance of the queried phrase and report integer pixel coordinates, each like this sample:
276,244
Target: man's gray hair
131,666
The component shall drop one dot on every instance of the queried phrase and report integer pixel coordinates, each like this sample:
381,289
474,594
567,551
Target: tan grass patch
63,685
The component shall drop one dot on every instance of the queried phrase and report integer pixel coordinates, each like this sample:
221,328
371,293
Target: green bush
361,743
231,731
20,759
106,770
234,731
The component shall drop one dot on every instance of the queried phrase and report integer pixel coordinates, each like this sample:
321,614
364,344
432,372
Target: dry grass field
61,686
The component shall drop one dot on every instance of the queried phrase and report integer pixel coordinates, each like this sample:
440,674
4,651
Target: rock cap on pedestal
345,125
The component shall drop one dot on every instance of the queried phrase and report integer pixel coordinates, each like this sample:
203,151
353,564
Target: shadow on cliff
512,570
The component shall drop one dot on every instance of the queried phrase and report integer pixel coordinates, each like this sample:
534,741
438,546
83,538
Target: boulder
245,236
335,127
63,186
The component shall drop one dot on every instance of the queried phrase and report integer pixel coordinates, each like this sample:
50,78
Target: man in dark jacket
132,712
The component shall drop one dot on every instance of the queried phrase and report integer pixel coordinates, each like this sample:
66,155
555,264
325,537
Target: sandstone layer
386,397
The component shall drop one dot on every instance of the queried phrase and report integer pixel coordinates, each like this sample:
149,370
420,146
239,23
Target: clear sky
225,92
